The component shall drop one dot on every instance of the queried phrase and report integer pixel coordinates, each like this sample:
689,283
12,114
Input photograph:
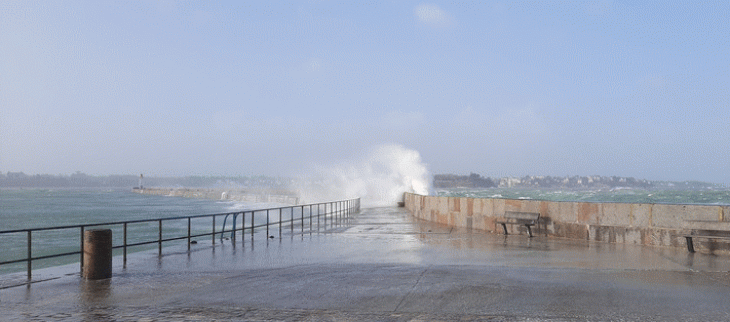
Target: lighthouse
140,181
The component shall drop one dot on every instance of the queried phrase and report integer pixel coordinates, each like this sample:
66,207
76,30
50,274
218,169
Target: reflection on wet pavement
382,264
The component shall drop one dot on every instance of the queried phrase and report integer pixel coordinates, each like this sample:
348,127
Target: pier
383,264
245,195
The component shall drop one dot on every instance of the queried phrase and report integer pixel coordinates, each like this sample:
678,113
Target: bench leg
529,230
504,226
690,246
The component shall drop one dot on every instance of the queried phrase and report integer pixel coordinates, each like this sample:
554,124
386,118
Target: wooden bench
705,229
527,219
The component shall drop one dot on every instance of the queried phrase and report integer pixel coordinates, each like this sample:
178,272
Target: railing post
281,222
125,233
159,240
81,250
302,215
267,223
291,220
125,242
233,232
213,234
252,222
30,254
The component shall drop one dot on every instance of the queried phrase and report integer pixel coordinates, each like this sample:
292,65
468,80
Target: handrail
334,208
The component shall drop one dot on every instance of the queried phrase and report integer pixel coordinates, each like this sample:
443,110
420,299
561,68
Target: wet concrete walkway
384,265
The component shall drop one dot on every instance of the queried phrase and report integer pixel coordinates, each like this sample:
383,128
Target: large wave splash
380,179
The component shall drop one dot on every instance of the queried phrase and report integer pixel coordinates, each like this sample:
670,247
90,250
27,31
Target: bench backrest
706,225
534,216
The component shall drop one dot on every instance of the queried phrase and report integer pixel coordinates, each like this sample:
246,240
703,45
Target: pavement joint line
418,280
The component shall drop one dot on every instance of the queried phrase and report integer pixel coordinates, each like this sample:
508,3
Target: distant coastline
82,180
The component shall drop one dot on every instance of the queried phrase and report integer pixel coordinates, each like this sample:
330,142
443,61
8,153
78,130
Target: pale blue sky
244,88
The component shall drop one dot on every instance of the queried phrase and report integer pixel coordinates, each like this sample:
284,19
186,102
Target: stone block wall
644,224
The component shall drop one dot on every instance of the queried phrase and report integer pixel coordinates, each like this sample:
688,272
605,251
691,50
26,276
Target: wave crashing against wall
379,179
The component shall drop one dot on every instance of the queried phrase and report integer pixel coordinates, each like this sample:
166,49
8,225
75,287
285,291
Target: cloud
433,15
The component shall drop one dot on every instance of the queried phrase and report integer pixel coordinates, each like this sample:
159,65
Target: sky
238,88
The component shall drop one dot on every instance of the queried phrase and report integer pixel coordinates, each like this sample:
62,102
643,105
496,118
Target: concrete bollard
97,254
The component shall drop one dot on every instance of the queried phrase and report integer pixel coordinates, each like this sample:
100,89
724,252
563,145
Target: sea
713,196
36,208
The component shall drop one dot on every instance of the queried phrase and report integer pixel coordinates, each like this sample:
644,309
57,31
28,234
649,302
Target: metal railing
335,210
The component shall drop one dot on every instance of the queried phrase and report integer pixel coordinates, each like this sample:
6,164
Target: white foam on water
379,179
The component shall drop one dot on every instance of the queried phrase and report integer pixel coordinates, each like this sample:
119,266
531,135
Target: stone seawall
645,224
222,194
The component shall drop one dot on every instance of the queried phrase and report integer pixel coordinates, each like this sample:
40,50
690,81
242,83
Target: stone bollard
97,254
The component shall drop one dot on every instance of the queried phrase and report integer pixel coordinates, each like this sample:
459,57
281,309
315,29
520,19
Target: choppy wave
627,195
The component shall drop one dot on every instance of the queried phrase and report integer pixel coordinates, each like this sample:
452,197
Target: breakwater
283,197
632,223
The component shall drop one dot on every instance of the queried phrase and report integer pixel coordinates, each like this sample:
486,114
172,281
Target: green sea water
36,208
703,197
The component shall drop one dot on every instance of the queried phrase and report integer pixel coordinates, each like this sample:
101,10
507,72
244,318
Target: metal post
280,223
30,254
125,233
159,241
291,220
252,223
81,250
125,241
302,215
213,230
267,223
233,232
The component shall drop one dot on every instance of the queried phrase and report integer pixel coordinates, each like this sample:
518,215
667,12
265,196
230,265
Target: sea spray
379,179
